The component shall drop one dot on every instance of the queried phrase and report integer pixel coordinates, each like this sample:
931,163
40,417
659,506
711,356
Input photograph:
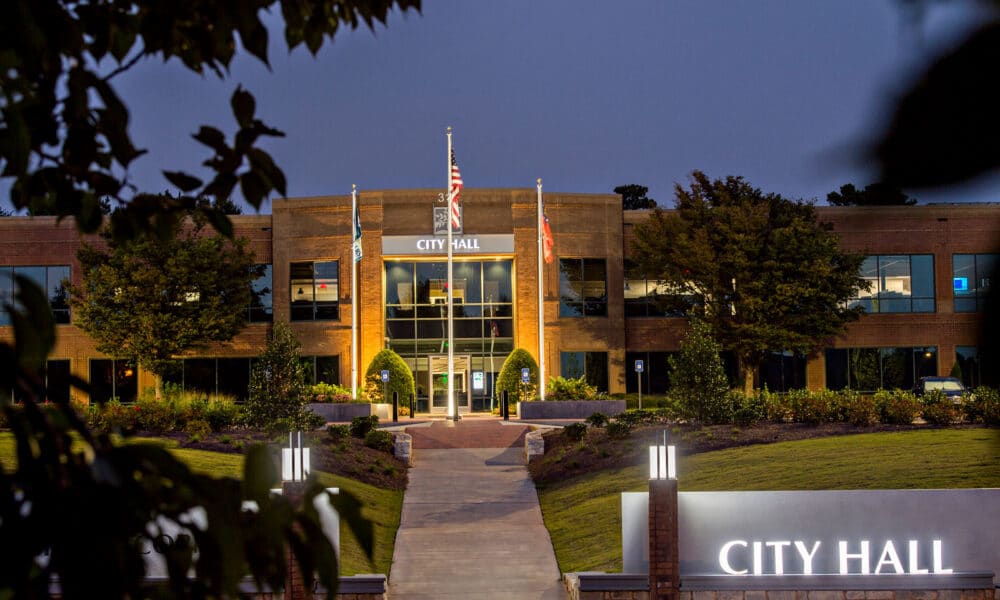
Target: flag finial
539,181
354,187
449,130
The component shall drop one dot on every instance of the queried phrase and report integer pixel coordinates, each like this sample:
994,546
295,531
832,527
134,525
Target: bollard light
294,460
663,460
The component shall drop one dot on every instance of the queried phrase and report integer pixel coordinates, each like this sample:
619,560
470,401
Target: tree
771,277
634,197
278,384
64,138
698,378
874,194
151,300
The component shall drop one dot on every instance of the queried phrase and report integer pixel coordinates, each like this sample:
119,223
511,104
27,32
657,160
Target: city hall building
929,267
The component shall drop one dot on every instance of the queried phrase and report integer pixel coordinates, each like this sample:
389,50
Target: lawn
583,514
382,506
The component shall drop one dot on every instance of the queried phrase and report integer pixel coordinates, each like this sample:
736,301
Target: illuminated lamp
663,460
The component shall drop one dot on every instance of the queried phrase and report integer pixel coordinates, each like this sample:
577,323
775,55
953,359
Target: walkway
471,526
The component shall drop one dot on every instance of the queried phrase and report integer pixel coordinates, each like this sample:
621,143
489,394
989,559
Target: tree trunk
745,375
158,386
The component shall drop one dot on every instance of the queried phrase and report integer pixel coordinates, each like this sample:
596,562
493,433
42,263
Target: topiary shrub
560,388
897,407
380,440
597,419
400,378
575,431
509,379
360,426
937,408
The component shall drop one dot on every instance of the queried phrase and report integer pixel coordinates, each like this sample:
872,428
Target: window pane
57,381
101,380
6,293
58,294
328,369
400,330
894,276
897,368
199,374
466,276
399,283
327,282
597,370
233,376
922,272
963,269
985,265
261,298
571,364
836,368
301,290
496,281
864,369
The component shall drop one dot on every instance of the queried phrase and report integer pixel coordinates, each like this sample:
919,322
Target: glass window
322,369
51,279
112,378
314,291
57,381
783,371
592,366
870,369
583,287
655,372
899,284
645,297
971,274
261,297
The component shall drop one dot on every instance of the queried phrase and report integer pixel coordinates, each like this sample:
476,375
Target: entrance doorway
439,383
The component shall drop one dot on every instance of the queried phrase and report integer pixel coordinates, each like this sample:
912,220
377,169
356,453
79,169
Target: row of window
415,290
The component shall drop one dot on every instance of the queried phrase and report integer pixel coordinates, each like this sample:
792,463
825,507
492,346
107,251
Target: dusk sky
586,95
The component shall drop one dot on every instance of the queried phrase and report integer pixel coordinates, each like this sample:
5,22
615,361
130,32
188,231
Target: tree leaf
244,106
183,181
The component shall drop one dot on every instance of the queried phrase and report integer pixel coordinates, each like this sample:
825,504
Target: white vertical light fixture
663,460
294,460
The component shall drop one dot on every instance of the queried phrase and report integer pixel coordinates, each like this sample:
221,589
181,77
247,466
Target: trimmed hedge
400,378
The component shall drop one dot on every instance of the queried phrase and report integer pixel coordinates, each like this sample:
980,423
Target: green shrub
598,419
400,378
698,377
329,392
197,429
277,383
897,407
937,408
509,379
813,408
116,417
360,426
155,416
222,414
748,410
337,433
379,440
560,388
982,406
858,409
618,430
774,407
575,431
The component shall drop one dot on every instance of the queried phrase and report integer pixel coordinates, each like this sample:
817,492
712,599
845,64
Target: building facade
930,267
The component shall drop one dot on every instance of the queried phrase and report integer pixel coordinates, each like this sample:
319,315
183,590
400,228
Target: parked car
951,386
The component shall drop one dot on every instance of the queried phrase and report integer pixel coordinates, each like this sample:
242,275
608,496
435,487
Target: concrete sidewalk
471,528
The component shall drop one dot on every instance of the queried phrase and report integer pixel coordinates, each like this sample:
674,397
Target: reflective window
592,366
655,374
322,369
314,291
870,369
51,279
112,378
57,383
645,297
783,371
971,275
260,299
221,376
583,287
901,283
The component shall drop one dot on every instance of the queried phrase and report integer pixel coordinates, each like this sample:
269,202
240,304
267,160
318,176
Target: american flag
453,193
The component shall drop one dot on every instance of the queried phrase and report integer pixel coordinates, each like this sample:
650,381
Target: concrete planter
340,413
568,409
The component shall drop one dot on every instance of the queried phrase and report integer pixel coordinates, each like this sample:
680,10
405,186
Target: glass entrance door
439,383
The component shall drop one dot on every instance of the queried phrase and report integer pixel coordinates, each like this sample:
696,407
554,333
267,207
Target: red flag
547,242
494,329
456,188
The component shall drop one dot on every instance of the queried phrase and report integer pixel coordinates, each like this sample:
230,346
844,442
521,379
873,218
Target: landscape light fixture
663,460
294,459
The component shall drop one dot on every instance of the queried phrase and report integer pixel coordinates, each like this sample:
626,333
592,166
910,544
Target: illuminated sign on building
826,532
408,245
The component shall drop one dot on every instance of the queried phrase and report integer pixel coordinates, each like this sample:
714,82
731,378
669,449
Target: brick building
930,267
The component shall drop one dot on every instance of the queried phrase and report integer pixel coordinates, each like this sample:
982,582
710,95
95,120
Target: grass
382,507
583,514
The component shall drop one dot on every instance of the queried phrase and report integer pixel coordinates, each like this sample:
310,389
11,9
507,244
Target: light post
664,554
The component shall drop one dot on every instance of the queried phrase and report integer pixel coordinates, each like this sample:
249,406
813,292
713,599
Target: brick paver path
468,433
471,528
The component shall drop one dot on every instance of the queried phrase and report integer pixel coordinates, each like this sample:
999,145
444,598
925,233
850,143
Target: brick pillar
295,587
664,567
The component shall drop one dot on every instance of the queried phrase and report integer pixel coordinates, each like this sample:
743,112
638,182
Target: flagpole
452,409
541,301
354,292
